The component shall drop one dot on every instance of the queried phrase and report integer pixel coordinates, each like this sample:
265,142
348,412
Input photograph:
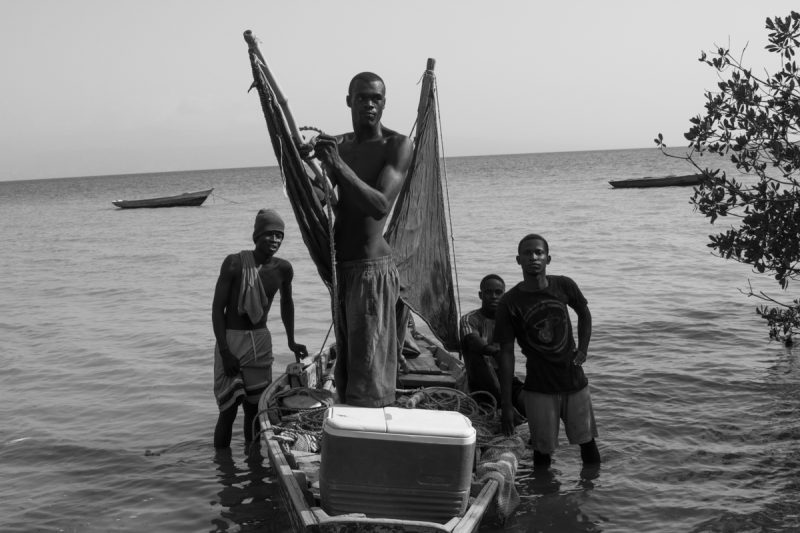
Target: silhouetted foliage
754,120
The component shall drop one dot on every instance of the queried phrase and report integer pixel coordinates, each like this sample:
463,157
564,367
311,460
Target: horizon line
119,174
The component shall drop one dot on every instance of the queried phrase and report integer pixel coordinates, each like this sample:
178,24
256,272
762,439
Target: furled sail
417,231
308,209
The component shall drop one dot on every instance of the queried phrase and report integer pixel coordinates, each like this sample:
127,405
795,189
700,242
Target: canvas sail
417,231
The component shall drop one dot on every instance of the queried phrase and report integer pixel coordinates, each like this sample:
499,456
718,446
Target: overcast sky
92,87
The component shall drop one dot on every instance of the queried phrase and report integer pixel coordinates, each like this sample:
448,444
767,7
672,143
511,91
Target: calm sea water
106,349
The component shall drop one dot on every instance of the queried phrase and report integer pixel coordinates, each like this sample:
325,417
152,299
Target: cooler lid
428,423
399,422
349,418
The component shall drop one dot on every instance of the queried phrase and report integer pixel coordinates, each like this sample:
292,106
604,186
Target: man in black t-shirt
535,314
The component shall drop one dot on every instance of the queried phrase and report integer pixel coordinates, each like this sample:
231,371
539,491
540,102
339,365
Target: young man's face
533,257
490,293
269,242
366,102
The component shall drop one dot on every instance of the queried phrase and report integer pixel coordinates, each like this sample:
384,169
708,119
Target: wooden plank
299,511
422,363
363,524
413,381
472,518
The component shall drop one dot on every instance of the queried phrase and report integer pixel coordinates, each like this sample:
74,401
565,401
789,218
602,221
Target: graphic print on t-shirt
547,326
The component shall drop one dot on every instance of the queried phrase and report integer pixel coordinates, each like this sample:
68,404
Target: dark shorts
366,336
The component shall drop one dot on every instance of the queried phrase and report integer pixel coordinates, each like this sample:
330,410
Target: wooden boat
665,181
298,471
187,199
306,390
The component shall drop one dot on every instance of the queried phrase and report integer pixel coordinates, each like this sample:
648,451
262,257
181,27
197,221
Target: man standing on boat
246,286
535,314
367,166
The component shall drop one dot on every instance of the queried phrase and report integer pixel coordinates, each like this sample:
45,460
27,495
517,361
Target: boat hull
187,199
667,181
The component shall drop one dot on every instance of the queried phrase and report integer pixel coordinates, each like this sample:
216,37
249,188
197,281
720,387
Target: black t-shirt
539,321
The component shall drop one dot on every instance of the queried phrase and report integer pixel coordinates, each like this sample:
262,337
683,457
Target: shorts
366,336
544,411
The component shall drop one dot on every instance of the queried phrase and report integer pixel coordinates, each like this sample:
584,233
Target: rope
215,195
310,128
483,415
334,276
435,88
280,166
325,340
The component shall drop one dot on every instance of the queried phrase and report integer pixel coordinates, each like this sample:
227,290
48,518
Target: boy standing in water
246,286
535,314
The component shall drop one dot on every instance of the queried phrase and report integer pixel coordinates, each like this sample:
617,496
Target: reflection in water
248,500
551,500
543,481
558,509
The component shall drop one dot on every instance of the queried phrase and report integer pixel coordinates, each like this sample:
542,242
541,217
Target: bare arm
374,201
218,308
221,292
506,360
472,341
287,314
477,344
584,332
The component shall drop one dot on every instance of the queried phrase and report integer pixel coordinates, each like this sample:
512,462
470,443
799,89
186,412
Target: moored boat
664,181
187,199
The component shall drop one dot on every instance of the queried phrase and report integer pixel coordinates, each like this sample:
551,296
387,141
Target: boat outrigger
434,461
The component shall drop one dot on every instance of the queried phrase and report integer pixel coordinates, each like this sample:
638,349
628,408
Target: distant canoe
666,181
186,199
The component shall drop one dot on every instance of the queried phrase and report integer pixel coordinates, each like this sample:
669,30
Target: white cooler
396,463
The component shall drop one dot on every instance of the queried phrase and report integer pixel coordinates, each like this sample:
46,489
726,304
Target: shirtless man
368,167
246,286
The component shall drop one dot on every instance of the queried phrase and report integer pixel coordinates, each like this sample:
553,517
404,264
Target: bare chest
366,159
271,279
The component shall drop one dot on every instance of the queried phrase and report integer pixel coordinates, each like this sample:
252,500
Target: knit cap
267,220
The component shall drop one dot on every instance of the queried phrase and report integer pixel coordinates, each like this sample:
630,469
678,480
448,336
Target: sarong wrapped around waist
253,349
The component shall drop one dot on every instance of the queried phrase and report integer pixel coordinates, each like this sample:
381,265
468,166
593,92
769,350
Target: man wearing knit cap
246,286
367,166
